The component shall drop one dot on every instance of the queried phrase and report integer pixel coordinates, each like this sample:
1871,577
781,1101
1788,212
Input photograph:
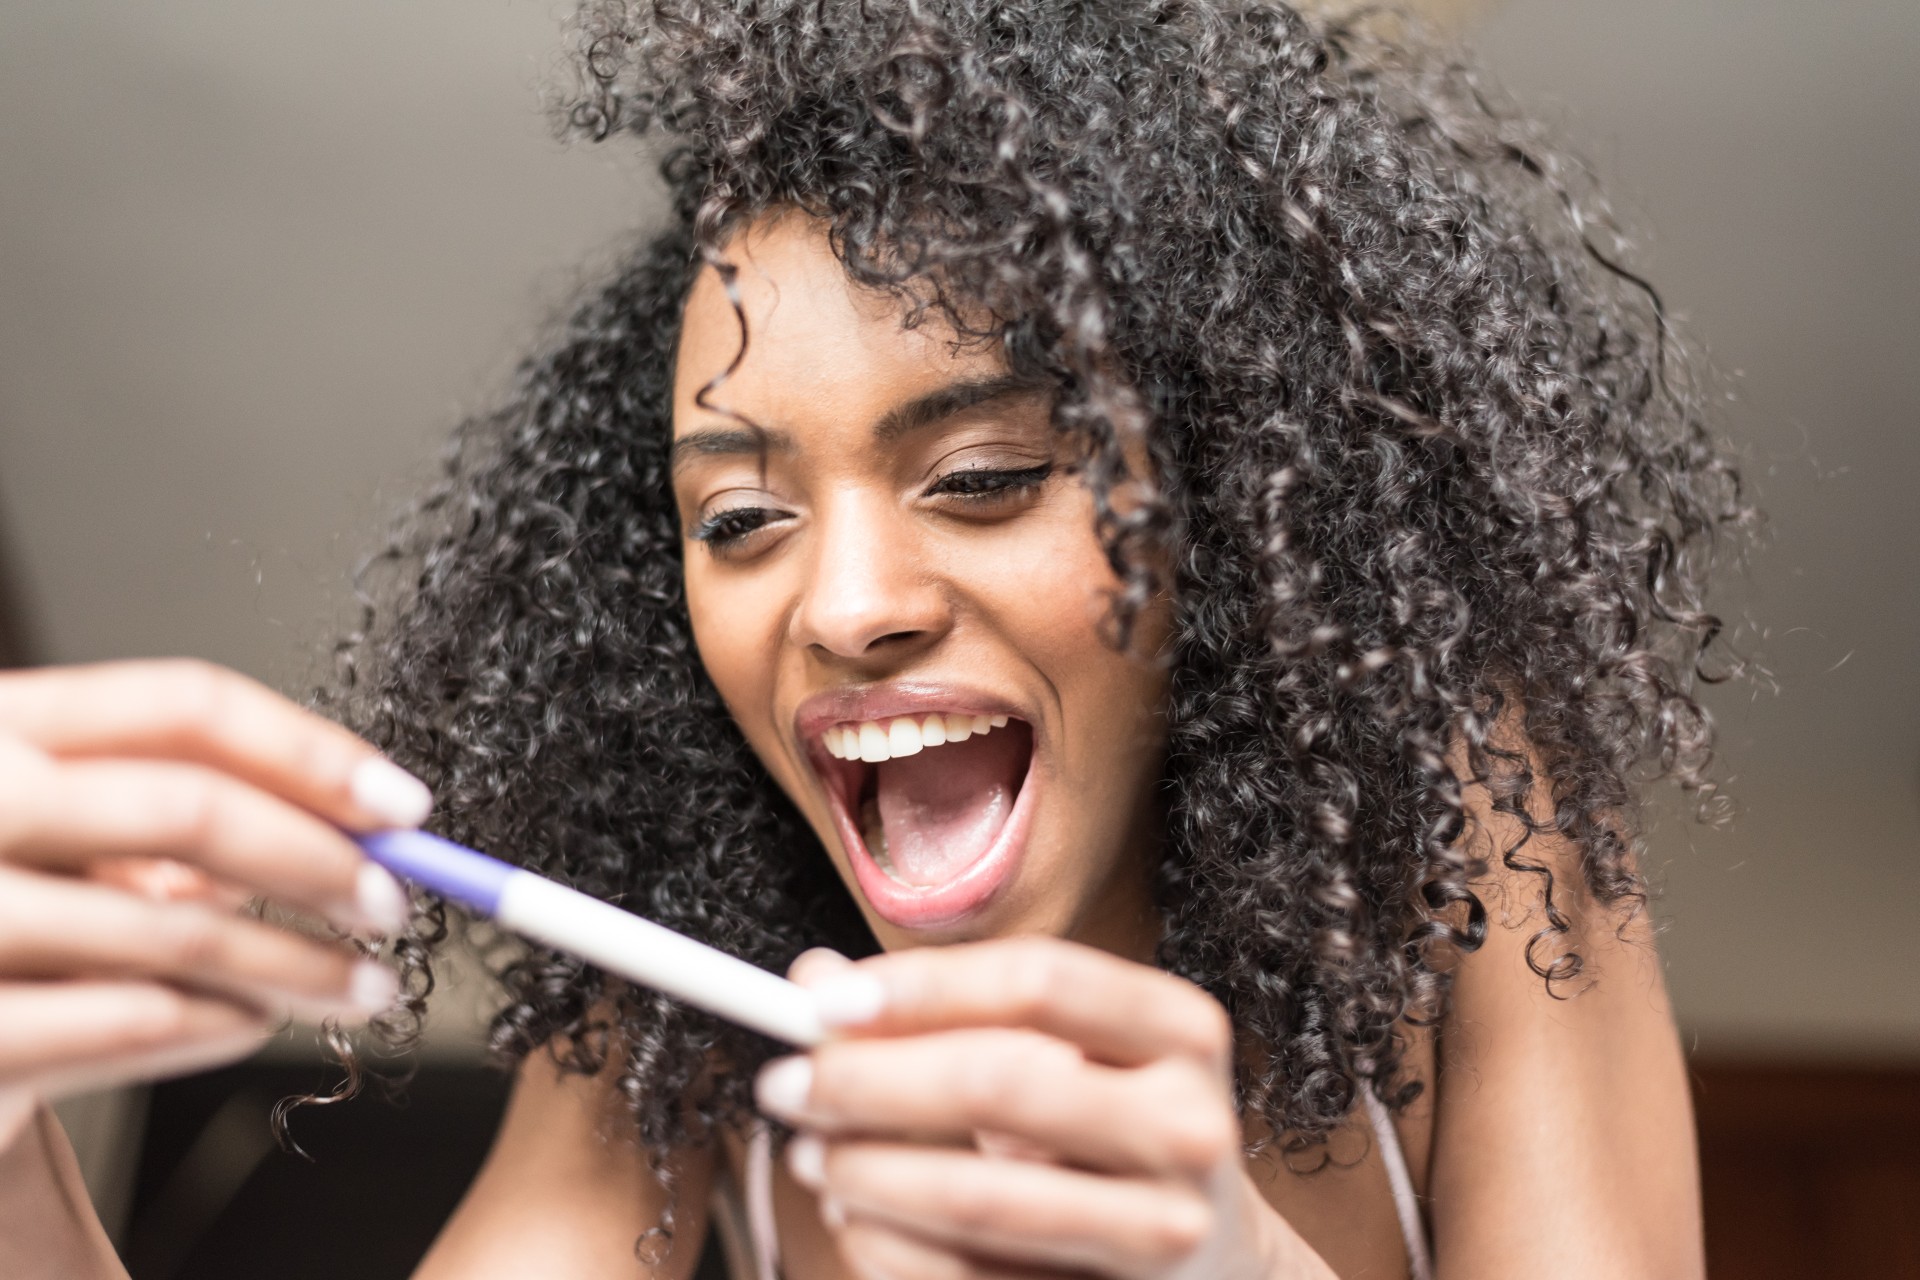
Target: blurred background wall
256,259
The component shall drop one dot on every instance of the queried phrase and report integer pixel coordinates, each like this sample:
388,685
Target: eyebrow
903,419
721,442
944,402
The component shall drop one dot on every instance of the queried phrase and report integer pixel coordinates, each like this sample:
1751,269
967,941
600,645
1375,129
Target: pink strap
1413,1230
760,1224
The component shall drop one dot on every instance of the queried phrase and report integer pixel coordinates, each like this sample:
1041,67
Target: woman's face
898,591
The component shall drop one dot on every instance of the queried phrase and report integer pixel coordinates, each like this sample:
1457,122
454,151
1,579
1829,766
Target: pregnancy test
602,934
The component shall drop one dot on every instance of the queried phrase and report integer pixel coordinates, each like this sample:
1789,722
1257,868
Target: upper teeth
877,740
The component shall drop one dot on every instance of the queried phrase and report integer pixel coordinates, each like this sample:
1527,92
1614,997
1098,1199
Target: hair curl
1426,463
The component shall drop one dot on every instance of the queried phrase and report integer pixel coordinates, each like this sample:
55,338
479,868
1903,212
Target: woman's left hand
1023,1108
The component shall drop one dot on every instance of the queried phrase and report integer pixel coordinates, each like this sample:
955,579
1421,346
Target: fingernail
784,1085
848,999
390,793
813,958
807,1160
380,901
374,987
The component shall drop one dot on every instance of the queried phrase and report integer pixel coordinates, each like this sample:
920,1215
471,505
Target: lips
931,793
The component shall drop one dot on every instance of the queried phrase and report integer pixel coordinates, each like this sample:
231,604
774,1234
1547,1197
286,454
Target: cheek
1050,582
735,631
1055,592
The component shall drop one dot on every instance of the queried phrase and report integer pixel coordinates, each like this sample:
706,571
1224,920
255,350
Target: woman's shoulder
569,1189
1559,1076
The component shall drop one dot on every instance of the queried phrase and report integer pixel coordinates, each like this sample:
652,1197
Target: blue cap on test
453,871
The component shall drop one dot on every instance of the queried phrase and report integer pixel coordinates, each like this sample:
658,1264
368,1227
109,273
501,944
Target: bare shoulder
1563,1127
567,1191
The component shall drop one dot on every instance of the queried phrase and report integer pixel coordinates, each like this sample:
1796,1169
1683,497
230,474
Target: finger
182,1059
166,880
51,1028
1116,1011
1010,1210
52,928
817,963
876,1252
81,812
202,714
1169,1117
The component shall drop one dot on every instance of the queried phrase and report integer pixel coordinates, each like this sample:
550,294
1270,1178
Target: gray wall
1771,146
255,259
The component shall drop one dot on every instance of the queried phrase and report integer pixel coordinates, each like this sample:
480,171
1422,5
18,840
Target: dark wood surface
1810,1171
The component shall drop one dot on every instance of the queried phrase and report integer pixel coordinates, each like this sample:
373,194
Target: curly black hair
1431,493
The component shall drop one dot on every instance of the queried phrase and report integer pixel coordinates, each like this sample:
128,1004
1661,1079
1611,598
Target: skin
862,573
1555,1137
139,802
142,805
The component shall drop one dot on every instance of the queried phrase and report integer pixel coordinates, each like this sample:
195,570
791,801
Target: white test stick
603,935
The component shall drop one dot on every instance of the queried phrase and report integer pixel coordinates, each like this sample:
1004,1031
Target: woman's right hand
141,805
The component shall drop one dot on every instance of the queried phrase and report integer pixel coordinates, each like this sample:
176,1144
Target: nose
869,592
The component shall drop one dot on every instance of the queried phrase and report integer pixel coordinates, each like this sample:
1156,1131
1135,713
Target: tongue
940,810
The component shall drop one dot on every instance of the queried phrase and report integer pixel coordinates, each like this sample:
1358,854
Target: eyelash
990,484
978,485
724,529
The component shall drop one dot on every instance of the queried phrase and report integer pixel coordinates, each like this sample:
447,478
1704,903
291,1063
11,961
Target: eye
725,530
986,485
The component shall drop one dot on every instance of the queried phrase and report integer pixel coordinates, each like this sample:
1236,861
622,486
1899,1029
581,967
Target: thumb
816,963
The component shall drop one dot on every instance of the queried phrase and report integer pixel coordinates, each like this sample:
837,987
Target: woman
1174,504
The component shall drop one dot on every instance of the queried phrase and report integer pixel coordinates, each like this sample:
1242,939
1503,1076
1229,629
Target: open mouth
929,807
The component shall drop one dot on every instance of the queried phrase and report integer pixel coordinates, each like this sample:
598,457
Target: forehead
817,345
